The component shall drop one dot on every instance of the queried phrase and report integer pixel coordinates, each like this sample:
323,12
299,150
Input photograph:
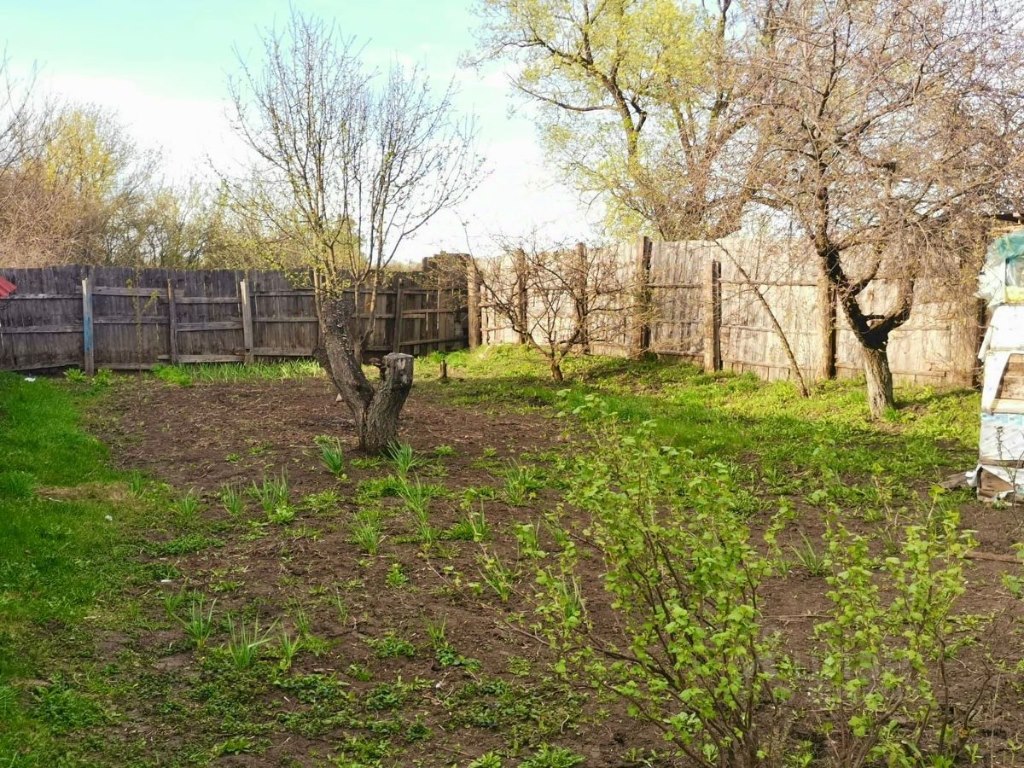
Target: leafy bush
887,648
689,651
684,580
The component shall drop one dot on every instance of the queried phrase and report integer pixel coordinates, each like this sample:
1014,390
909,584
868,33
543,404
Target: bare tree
895,130
26,124
347,170
76,189
557,299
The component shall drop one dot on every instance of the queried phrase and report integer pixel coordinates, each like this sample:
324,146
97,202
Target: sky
163,66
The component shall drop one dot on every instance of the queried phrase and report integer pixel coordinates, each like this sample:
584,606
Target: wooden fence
704,307
132,319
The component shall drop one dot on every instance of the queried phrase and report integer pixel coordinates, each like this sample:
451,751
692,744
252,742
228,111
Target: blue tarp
1004,268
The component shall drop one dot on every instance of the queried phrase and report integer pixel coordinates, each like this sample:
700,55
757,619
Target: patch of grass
391,646
332,455
287,648
548,756
198,622
281,515
404,459
521,712
271,492
367,462
445,653
522,482
415,495
187,507
187,375
173,374
17,484
827,440
497,575
246,642
473,527
359,672
236,745
137,483
387,696
64,708
814,561
368,530
374,488
232,500
487,760
58,549
322,502
396,577
183,545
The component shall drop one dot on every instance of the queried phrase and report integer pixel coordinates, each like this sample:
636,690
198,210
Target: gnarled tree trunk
375,408
879,381
556,371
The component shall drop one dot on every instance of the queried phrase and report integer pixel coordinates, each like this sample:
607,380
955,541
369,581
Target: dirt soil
211,435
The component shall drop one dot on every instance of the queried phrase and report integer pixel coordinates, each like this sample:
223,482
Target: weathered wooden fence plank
88,348
126,318
172,321
714,318
246,307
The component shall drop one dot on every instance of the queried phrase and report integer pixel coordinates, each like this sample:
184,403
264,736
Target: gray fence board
41,324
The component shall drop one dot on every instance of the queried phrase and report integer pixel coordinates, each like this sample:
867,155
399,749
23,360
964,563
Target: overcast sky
163,65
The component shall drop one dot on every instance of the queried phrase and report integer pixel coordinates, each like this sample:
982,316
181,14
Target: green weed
521,483
486,760
198,623
391,646
322,502
246,642
288,647
396,577
187,507
368,531
271,493
404,459
816,563
231,499
548,756
496,575
332,455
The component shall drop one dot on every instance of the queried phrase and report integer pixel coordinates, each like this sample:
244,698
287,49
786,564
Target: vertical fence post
642,303
437,322
172,323
713,315
473,304
246,305
396,337
827,324
581,289
522,297
88,340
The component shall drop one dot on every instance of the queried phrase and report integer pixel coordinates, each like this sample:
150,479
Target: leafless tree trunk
346,171
375,408
893,130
